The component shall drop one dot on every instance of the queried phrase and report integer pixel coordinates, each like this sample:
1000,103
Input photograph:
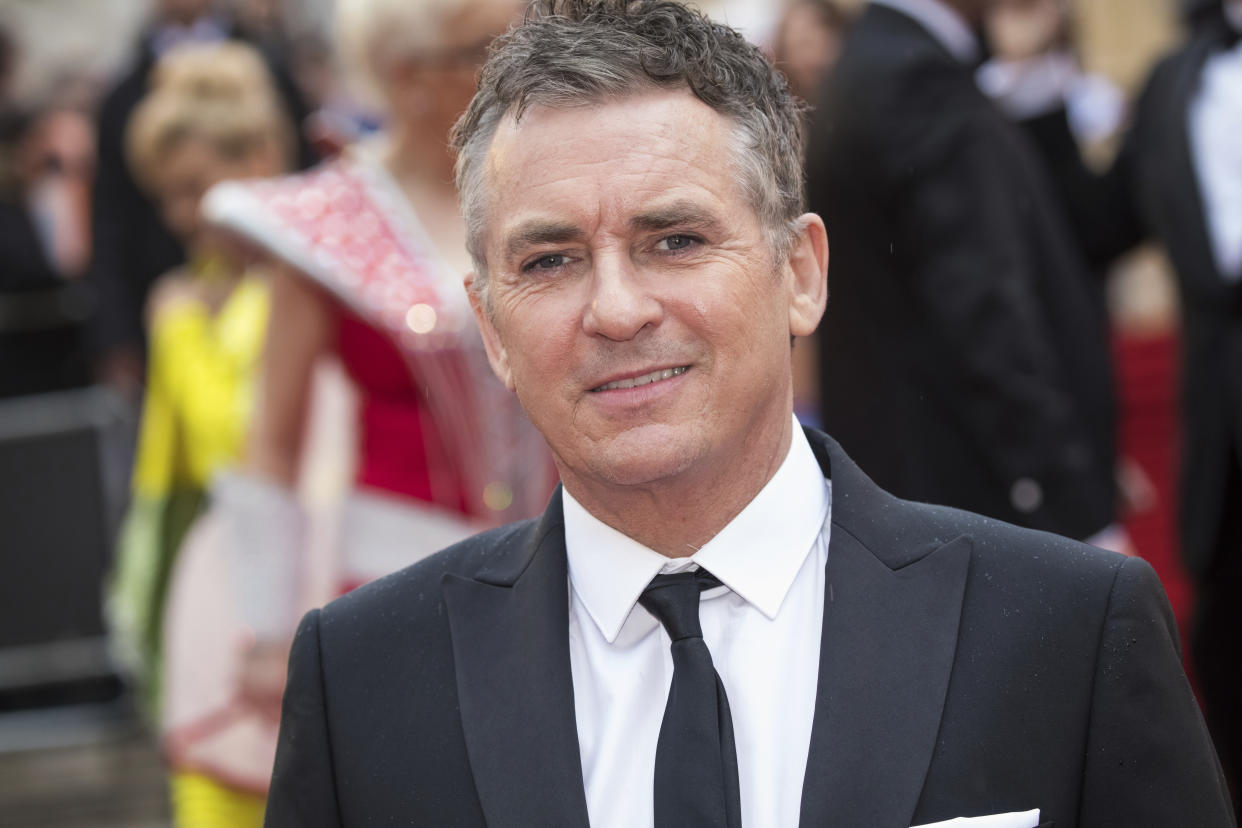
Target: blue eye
677,241
549,262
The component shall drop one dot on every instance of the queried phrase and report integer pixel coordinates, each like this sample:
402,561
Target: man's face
635,306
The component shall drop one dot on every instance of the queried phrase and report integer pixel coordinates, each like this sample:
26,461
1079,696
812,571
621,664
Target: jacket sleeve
1149,759
303,790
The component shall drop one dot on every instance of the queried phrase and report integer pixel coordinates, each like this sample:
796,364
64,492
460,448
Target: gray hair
571,53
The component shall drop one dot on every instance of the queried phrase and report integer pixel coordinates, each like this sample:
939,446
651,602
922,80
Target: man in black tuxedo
964,359
1175,181
1173,165
719,620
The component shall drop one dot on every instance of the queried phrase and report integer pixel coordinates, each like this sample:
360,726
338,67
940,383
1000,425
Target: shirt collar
757,555
943,23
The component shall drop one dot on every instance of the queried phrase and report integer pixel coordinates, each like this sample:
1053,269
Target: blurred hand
1135,489
121,369
264,665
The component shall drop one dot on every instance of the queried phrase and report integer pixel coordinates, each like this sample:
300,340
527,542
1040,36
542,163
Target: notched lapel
511,648
888,644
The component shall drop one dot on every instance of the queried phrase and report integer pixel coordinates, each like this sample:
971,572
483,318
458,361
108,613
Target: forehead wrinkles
601,163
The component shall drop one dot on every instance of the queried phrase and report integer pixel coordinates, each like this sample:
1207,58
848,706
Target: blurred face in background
191,167
183,11
808,42
61,142
434,86
1020,29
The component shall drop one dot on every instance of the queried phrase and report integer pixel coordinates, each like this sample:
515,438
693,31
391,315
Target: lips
643,379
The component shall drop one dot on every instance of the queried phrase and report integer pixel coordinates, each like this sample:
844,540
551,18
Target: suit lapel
891,612
892,606
511,647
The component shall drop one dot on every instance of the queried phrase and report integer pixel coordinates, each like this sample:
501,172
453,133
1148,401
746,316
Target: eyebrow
537,232
540,231
677,214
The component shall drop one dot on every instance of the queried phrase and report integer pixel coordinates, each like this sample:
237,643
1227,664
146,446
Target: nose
621,303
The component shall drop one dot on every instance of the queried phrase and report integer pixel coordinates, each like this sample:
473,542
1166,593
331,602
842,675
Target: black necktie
696,760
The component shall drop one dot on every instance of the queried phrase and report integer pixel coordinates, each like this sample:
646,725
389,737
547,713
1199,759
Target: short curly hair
569,53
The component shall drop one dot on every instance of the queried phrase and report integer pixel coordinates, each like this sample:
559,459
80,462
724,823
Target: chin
645,456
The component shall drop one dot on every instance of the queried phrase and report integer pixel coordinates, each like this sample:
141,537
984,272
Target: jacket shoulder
1015,551
415,590
898,91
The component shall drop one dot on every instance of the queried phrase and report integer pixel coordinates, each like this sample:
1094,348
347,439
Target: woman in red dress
370,254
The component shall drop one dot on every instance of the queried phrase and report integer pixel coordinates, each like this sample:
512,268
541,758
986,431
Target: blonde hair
375,35
220,93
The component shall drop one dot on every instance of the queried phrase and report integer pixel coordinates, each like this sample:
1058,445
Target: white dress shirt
1215,124
942,22
762,628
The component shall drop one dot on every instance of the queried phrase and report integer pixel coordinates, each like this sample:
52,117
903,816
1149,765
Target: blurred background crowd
238,375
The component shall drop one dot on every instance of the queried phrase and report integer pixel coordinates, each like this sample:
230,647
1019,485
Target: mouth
643,379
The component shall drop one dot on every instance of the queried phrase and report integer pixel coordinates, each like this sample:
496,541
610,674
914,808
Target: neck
419,160
216,274
678,516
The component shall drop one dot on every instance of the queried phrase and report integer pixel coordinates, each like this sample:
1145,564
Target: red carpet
1147,389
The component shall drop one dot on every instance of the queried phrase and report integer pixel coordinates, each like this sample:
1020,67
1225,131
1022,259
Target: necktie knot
674,600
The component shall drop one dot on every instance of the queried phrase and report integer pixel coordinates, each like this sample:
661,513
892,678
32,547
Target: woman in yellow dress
211,116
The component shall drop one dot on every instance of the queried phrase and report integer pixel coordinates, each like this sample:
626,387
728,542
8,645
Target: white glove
265,534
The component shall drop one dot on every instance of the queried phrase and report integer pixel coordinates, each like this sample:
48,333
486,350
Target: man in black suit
1176,159
1176,181
964,359
719,620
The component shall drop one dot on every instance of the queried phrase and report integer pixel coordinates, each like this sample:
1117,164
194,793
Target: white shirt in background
1215,134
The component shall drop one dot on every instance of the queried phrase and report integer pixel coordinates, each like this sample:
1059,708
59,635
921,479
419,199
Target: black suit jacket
964,347
1152,192
966,667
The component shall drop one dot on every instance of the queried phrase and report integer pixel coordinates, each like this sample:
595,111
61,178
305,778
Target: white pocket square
1025,819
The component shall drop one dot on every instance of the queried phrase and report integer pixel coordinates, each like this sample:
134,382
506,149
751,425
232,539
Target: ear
808,266
496,353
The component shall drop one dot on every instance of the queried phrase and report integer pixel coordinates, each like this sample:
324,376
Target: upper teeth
645,379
